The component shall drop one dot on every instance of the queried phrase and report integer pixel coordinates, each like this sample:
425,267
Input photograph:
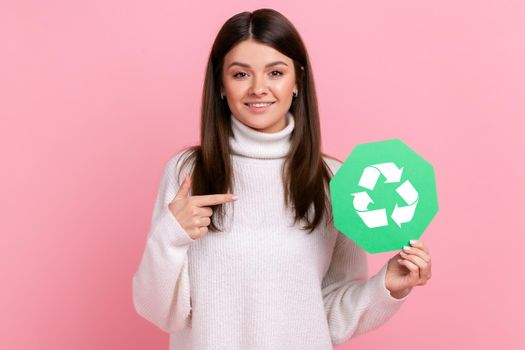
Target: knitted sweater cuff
168,229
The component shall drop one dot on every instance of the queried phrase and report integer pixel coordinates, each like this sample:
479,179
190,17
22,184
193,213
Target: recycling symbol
383,195
378,217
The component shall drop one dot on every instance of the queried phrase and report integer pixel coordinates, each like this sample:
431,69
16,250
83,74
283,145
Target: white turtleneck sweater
261,283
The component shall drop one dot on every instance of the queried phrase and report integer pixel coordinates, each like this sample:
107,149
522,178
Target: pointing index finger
212,199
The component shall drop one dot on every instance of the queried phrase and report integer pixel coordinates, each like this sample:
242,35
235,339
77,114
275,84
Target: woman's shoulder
181,162
332,162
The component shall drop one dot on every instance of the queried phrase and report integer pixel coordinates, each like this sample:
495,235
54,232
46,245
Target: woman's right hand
192,212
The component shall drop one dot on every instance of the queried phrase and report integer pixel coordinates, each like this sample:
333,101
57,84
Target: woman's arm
355,304
161,288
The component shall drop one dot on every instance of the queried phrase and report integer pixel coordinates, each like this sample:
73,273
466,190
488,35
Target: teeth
259,104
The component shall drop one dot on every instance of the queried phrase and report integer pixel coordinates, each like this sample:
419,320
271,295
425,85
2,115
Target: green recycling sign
383,195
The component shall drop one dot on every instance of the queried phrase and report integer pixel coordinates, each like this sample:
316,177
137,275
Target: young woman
242,252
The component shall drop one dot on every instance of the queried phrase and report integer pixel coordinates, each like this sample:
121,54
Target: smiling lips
258,107
259,103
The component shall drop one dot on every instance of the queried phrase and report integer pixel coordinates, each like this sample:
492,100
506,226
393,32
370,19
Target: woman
264,268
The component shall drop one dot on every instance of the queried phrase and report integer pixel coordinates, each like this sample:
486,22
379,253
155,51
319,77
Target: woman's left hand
407,269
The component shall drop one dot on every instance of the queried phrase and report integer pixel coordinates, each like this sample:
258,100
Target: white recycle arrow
410,196
378,217
372,172
372,218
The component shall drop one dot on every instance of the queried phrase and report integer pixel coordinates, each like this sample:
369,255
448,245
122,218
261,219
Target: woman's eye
236,75
243,74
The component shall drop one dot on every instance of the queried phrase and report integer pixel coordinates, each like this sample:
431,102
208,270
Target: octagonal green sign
383,196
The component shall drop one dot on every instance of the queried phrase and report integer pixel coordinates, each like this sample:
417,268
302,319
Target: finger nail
234,197
412,242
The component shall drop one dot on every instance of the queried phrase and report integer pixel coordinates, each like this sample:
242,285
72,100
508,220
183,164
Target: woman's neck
252,143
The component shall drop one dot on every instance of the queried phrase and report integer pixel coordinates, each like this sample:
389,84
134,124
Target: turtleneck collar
251,143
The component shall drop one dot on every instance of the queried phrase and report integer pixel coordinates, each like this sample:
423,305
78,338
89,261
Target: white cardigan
261,283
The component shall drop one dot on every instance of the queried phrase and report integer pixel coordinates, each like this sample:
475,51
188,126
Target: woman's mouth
259,107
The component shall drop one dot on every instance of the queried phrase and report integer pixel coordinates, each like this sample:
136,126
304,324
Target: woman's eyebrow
235,63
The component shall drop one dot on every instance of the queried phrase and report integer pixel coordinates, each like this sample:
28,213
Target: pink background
97,95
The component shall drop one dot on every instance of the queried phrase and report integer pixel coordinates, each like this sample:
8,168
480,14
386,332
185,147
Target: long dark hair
305,173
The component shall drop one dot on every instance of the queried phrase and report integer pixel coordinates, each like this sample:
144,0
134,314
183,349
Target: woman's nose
258,85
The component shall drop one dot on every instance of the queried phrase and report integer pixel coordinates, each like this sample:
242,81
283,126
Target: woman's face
255,72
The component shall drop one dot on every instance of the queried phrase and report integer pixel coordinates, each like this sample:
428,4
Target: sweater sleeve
161,288
355,304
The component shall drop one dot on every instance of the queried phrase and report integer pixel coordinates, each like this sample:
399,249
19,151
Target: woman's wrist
401,294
